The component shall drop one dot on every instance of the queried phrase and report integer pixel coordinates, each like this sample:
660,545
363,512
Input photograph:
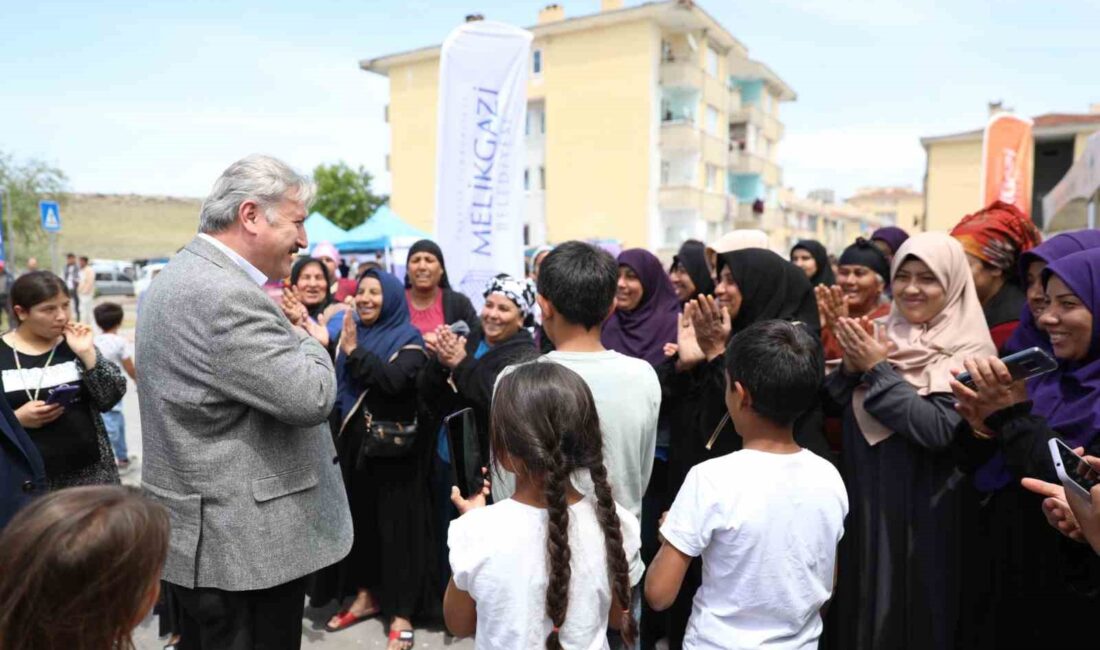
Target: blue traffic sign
51,215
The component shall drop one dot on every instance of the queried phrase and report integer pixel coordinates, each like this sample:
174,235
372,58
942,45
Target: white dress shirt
256,274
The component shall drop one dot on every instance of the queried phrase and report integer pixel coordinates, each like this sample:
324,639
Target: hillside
122,226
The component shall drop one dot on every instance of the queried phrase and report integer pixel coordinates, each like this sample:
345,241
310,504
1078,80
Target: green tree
28,182
344,194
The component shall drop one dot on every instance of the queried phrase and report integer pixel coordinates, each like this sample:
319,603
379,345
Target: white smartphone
1072,469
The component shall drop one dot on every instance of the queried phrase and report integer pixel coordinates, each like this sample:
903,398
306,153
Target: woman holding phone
58,384
1031,581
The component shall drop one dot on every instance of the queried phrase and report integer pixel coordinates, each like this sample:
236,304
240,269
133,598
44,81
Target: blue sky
159,97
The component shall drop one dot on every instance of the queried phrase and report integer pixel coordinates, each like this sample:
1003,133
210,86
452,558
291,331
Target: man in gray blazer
234,415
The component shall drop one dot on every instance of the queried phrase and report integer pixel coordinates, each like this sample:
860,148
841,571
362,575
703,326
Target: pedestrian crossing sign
51,215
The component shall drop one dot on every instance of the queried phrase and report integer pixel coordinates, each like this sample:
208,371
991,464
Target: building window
666,52
526,179
712,178
536,62
542,121
712,120
386,113
666,171
542,178
712,61
387,162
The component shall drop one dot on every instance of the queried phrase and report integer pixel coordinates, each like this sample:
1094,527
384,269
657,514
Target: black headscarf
427,246
693,257
771,288
824,274
296,272
864,253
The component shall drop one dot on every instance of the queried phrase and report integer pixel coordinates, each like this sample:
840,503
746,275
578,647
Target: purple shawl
1027,334
1069,398
892,235
642,333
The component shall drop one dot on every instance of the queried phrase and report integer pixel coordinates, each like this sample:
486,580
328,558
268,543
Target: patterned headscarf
521,292
997,235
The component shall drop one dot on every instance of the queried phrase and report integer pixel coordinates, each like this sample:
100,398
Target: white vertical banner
481,153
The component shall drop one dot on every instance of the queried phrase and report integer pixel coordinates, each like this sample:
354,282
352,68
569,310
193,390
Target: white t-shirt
767,526
498,556
115,349
628,401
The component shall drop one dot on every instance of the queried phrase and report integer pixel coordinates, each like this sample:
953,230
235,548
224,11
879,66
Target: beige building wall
601,120
953,183
414,97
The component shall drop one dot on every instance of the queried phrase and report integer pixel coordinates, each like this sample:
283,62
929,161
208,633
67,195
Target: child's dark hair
780,365
544,420
108,315
36,287
79,567
579,280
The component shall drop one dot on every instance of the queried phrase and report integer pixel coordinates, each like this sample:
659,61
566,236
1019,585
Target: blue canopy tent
320,229
380,232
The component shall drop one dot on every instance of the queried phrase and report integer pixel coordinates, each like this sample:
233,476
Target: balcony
743,162
744,217
771,128
682,74
681,136
712,206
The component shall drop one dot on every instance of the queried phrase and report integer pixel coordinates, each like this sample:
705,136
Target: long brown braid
557,546
618,569
544,419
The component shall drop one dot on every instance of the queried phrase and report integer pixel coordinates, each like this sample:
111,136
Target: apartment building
953,175
893,206
836,225
646,125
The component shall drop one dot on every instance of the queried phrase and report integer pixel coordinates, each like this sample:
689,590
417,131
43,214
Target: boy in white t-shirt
108,317
767,519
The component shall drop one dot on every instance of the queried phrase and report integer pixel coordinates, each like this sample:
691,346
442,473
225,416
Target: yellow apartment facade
647,125
953,172
892,206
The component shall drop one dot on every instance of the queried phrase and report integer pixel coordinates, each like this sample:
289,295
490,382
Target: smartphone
62,395
1073,471
1024,364
465,449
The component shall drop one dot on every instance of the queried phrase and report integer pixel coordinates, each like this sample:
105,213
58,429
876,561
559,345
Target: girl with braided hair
548,567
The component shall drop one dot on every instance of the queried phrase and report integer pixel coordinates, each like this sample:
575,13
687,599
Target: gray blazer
234,418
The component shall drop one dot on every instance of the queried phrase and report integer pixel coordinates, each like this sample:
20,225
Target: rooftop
1044,126
673,14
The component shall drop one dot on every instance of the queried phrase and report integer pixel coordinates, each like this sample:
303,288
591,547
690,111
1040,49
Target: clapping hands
994,389
831,305
448,347
711,325
864,348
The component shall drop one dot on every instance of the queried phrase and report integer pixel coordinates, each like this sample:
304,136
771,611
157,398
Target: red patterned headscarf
997,235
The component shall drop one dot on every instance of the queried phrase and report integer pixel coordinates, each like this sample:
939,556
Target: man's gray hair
258,178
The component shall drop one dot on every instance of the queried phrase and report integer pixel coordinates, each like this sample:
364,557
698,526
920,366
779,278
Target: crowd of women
943,547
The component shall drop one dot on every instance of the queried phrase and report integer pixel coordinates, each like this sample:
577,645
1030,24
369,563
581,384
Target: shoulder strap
354,409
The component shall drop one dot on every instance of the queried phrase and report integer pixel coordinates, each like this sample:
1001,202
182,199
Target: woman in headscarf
1032,263
1026,582
888,240
899,559
646,309
432,301
689,272
462,375
734,240
811,256
340,288
859,292
753,285
380,355
993,239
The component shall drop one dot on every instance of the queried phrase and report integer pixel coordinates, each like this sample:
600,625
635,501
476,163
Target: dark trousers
264,619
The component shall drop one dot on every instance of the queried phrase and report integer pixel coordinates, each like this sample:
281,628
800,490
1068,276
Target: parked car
122,266
112,281
146,273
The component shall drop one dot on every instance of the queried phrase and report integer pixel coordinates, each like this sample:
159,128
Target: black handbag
381,438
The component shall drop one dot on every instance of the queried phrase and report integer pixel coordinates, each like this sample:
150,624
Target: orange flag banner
1007,151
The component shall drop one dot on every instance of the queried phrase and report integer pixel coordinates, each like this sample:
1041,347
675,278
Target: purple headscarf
643,333
892,235
1069,398
1028,334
